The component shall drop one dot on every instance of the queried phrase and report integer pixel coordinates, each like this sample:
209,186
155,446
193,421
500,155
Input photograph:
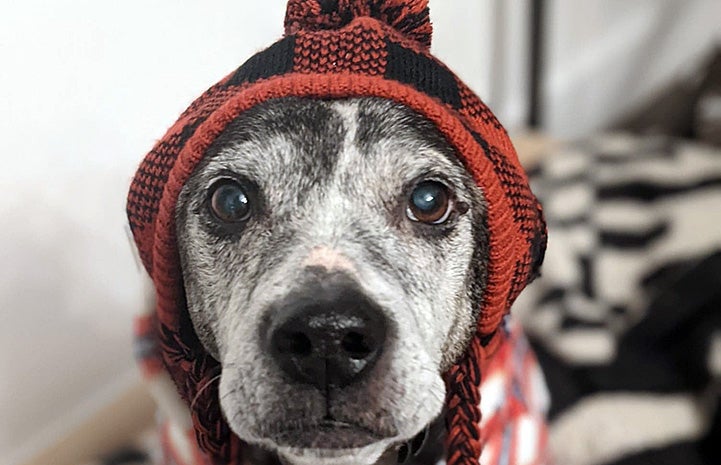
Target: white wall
86,87
604,57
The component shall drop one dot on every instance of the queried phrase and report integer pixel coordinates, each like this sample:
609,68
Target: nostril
294,343
327,334
356,345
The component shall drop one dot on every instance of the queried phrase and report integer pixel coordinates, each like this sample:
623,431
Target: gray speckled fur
333,174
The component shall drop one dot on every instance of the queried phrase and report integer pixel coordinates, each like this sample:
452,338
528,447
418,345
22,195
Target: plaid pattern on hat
340,49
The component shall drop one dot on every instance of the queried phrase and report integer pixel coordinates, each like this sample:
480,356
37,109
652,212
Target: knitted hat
341,49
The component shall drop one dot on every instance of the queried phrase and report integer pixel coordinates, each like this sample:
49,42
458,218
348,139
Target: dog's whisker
229,393
438,397
203,388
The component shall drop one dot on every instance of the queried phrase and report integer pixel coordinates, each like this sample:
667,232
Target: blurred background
86,87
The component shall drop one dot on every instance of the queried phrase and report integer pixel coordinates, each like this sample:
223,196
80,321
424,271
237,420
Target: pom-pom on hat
340,49
409,17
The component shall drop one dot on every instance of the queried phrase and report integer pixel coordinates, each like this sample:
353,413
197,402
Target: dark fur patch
380,119
310,125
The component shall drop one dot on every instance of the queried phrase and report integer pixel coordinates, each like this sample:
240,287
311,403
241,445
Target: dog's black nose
327,334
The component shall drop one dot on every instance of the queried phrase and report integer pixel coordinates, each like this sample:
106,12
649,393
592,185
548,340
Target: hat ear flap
463,416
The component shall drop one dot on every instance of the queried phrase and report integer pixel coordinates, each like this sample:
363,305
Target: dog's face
334,257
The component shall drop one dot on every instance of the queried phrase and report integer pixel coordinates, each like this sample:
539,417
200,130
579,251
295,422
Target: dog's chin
369,454
329,443
333,435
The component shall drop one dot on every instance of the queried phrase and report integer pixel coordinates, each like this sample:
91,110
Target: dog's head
334,256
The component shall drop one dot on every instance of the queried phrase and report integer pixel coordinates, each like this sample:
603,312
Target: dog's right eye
229,201
430,203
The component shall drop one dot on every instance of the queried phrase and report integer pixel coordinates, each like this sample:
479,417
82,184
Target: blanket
626,318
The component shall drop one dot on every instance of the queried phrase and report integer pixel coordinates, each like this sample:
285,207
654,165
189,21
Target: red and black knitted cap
341,49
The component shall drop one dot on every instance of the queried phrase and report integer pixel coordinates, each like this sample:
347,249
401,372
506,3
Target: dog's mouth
337,436
327,434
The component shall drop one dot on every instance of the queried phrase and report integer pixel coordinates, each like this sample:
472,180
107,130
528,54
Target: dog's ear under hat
336,49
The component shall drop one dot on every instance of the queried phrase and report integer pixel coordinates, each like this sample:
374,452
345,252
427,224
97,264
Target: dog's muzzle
326,333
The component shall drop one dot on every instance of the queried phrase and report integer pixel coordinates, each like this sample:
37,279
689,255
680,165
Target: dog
334,256
336,232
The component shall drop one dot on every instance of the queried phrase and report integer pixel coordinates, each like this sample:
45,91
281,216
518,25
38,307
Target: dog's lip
331,424
325,435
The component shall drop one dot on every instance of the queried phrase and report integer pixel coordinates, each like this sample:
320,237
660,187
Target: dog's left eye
430,203
229,201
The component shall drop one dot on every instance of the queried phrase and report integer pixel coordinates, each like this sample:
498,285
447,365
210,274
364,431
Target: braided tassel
463,419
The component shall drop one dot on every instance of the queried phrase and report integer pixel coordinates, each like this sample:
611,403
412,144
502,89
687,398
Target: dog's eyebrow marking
380,120
311,129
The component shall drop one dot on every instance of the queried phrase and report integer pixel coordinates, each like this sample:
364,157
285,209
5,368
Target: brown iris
430,203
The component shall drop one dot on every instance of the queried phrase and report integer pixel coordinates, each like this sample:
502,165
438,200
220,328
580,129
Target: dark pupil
230,203
428,197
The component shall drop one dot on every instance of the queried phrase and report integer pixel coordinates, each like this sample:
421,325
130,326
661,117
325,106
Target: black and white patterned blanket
626,319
